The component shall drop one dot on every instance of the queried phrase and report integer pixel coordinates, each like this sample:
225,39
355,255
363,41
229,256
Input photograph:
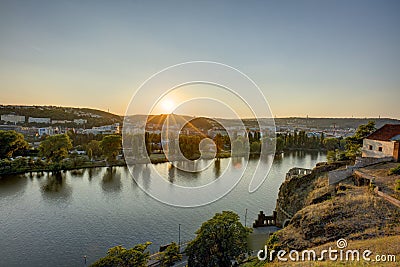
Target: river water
55,221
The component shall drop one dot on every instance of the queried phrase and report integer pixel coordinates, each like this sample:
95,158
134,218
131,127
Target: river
50,221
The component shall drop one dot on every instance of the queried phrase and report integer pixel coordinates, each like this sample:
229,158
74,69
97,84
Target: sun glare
167,105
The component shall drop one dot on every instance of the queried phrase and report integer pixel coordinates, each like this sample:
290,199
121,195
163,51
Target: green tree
111,146
121,257
219,241
255,147
280,144
354,143
331,144
94,146
219,143
55,148
11,142
171,255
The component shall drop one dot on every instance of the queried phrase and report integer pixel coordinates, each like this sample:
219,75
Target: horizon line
200,116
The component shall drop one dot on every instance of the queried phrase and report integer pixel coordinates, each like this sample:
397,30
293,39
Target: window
370,147
380,149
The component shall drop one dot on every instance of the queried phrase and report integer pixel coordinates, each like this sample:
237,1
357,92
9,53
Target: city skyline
311,58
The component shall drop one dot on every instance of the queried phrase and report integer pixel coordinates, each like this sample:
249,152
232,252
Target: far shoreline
154,158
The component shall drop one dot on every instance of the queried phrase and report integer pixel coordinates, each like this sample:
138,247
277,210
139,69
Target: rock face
293,193
316,213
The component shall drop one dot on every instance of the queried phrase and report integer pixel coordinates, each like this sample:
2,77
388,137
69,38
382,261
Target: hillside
324,214
341,123
377,245
94,117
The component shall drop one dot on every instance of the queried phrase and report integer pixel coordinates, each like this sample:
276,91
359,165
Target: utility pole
245,219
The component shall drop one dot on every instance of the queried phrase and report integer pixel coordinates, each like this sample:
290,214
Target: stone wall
336,176
386,146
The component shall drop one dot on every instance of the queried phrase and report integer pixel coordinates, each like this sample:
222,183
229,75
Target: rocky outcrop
294,191
319,213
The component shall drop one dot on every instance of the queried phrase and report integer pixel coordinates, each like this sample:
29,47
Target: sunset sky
316,58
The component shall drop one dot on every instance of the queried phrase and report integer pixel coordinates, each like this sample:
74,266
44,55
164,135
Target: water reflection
111,181
146,172
217,168
92,172
78,172
314,155
237,162
171,173
12,185
55,186
52,217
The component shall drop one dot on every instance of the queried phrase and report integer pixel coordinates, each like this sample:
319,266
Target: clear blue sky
316,58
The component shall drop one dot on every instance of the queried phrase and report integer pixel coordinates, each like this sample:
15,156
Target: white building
13,118
38,120
105,129
384,142
60,121
80,121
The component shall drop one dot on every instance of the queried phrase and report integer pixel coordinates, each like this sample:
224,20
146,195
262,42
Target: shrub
397,186
395,170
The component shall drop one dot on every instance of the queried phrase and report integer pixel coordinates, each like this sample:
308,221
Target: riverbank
25,165
317,214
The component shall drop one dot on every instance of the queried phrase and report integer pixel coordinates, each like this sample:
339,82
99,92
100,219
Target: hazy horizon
309,58
194,115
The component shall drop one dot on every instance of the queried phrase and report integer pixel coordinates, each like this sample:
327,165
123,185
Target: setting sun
167,105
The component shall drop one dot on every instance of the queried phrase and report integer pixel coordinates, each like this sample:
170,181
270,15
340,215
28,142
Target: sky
309,58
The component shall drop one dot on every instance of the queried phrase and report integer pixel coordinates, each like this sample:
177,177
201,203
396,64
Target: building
45,131
106,129
12,118
80,121
38,120
60,121
384,142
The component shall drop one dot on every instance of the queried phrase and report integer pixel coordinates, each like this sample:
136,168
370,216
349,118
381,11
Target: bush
395,170
397,186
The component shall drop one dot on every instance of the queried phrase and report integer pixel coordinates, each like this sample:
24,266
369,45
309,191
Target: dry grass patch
386,182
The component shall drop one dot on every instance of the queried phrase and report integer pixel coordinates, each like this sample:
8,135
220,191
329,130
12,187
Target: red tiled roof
386,132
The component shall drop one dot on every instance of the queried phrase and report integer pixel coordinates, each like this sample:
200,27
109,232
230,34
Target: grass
387,183
387,245
395,170
328,213
353,213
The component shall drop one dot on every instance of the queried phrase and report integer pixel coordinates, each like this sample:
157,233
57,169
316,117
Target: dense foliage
11,142
111,146
171,255
350,148
121,257
219,241
55,148
299,140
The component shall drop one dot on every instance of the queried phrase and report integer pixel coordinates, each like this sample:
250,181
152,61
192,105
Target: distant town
35,122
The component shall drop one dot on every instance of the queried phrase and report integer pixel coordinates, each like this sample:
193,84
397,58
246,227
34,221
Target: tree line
300,140
53,153
219,241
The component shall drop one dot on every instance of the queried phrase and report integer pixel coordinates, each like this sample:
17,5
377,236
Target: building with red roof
384,142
